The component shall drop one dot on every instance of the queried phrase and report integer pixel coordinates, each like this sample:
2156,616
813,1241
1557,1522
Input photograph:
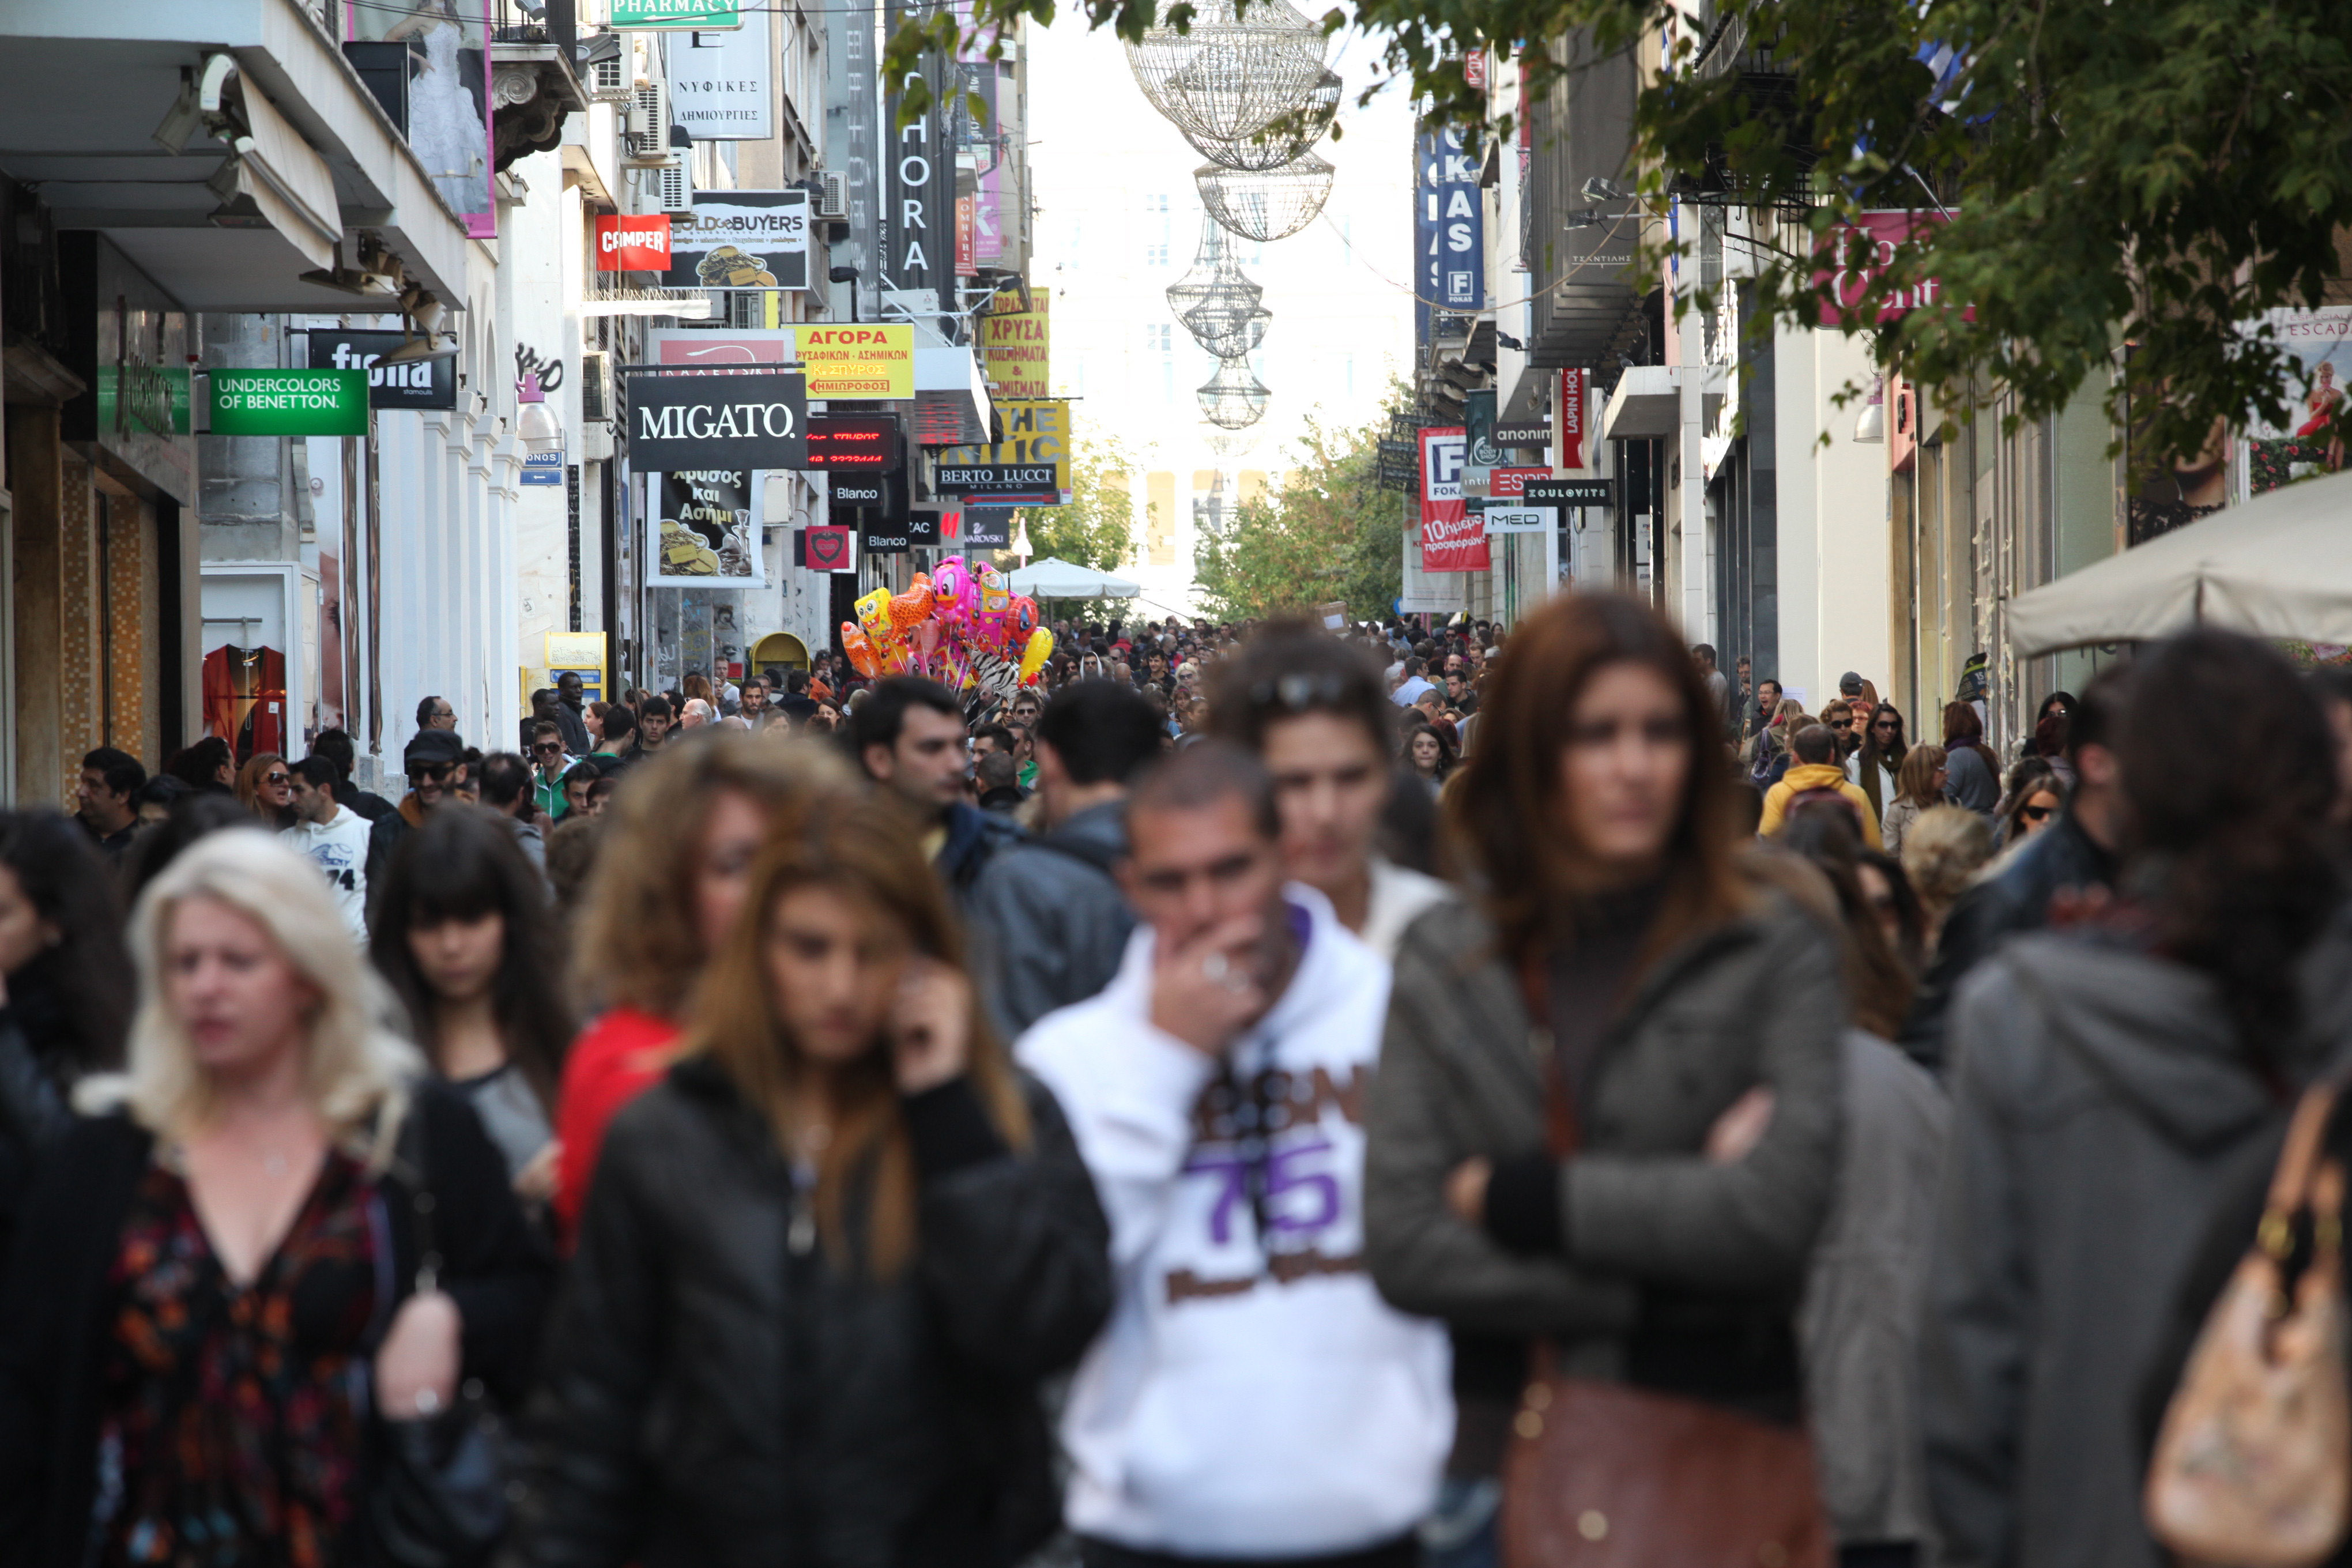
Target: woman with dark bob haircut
465,939
827,1260
1694,1017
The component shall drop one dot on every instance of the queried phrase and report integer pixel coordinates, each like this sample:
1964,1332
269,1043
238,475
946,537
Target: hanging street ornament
1265,205
1214,275
1231,71
1285,139
1227,334
1234,398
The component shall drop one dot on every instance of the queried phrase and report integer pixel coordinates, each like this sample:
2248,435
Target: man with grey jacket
1047,921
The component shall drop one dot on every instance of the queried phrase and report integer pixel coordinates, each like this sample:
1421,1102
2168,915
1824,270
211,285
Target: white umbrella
1054,578
2279,566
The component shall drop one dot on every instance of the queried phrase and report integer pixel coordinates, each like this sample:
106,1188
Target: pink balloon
951,591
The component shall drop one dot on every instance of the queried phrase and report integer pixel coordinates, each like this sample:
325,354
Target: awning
1054,578
952,402
2279,566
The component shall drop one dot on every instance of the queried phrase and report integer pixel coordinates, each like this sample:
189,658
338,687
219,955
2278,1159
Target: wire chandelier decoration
1234,443
1234,398
1225,331
1281,138
1234,71
1216,278
1265,205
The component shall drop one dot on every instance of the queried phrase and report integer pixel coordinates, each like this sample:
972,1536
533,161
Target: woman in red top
670,880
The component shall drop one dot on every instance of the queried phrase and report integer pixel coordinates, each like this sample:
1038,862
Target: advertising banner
704,530
740,239
288,402
1015,346
626,244
672,15
870,361
448,91
1854,255
1451,539
723,84
1032,464
2310,442
1575,391
752,419
1449,229
420,384
919,172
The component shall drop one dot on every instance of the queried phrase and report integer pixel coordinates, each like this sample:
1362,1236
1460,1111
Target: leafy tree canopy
2156,173
1097,529
1329,533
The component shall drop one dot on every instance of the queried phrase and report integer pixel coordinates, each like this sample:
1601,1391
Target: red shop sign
632,244
1857,253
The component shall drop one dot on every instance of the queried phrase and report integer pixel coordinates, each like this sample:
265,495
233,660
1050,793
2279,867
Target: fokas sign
756,419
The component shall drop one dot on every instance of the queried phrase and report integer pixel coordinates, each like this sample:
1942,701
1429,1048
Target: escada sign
749,420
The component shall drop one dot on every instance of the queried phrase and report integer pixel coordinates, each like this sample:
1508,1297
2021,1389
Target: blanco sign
1519,519
723,85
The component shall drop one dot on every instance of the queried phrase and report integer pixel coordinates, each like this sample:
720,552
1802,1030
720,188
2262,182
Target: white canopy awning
1054,578
2279,566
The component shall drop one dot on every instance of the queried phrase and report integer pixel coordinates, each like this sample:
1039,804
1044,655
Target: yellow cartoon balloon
874,615
1034,657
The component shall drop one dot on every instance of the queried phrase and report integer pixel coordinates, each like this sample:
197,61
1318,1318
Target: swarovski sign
755,419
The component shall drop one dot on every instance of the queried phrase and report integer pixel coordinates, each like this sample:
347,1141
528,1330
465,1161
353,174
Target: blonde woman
1941,852
215,1279
1918,786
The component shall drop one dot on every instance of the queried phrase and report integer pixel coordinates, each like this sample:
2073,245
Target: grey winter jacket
1047,922
1863,1293
1756,1001
2099,1108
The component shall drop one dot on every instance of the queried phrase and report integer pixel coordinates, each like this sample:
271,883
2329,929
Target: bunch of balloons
962,625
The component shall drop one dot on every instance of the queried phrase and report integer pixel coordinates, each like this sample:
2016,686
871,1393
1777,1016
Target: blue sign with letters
1448,229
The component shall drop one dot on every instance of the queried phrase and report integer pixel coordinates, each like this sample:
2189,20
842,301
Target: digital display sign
868,442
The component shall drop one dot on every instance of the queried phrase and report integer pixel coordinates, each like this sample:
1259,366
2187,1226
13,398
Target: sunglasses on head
1297,694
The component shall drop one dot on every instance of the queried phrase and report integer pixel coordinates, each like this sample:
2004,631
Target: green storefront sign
702,16
288,402
135,396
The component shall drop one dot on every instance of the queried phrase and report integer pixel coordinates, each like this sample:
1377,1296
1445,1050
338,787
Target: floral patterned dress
233,1417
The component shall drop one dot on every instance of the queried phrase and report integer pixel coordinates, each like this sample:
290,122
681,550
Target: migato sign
751,420
632,244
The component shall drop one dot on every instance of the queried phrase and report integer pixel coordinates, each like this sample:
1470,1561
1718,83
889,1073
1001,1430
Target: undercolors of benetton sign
288,402
756,419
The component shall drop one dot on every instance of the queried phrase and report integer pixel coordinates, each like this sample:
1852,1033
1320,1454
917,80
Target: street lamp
538,429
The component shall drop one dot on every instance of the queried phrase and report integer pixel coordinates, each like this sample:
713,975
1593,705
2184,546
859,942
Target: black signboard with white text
749,420
859,490
887,539
1569,492
987,527
1522,433
1010,481
419,384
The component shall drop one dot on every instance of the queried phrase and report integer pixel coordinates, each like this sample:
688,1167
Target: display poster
449,93
723,84
703,530
740,239
1451,539
1016,345
2318,345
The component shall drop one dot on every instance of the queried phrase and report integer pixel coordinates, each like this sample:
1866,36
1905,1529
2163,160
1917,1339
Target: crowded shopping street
1521,784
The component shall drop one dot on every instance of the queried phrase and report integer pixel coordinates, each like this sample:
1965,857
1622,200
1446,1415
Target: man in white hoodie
1253,1399
334,835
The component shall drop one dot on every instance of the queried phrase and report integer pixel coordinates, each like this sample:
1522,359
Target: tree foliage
1329,533
2154,174
1097,529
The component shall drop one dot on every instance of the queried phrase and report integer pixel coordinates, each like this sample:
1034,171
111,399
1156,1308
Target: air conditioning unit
649,119
676,183
832,196
608,81
595,389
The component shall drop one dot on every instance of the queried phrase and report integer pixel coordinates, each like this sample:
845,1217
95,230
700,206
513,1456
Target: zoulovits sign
286,402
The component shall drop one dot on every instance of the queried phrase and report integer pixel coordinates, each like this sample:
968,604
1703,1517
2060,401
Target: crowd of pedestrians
1328,1096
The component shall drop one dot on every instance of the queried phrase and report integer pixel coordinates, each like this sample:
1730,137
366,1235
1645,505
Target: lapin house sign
1575,393
751,420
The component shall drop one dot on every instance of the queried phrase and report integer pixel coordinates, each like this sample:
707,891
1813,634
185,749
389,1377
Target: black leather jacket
714,1397
1991,911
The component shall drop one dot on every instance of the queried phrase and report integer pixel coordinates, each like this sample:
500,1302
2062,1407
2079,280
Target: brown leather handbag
1606,1475
2253,1464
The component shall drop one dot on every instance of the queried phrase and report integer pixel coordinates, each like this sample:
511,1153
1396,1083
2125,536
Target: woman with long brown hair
670,880
1657,1236
265,786
828,1259
1971,772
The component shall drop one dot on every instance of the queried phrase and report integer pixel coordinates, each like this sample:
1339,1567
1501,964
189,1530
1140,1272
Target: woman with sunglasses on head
829,1257
1877,764
1643,1193
466,940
